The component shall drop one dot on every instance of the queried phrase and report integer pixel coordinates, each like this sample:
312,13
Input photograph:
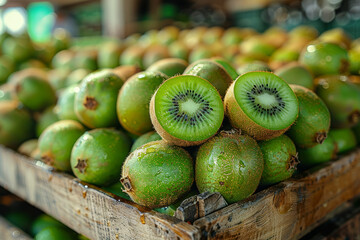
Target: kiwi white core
189,106
266,100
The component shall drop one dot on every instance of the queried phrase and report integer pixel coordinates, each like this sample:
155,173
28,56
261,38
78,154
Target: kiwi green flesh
266,99
189,108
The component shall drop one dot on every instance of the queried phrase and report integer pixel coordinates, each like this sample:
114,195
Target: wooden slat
10,232
86,209
290,209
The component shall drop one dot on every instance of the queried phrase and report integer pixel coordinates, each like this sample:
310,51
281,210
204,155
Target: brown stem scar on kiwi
81,165
47,160
126,183
320,137
294,161
221,183
354,117
90,103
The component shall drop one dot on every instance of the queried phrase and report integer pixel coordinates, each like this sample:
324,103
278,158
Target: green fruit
109,55
57,141
20,219
35,93
58,77
200,52
280,159
95,103
44,221
56,233
134,99
145,138
133,56
28,147
356,130
65,104
344,138
64,59
169,66
342,99
325,58
76,76
98,155
227,66
186,110
6,68
178,49
16,125
256,45
117,189
319,154
253,66
31,63
354,57
230,164
153,54
17,49
45,119
232,36
313,123
126,71
282,56
261,104
211,71
157,174
295,73
61,39
86,60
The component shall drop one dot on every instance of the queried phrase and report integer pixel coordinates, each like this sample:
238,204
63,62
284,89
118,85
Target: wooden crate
288,210
10,232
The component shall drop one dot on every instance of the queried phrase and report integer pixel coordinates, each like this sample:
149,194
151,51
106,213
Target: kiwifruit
168,35
7,92
313,123
200,52
126,71
28,146
153,54
31,63
280,159
149,38
145,138
117,189
95,102
157,174
344,138
276,36
109,55
98,155
283,56
44,51
86,59
65,105
56,233
337,36
64,59
186,110
61,39
319,154
16,124
295,73
304,31
45,119
169,66
44,221
253,66
227,66
7,67
342,99
356,130
213,35
133,56
133,101
261,104
325,58
57,141
76,76
17,49
178,49
211,71
35,93
230,164
354,58
58,78
232,36
257,45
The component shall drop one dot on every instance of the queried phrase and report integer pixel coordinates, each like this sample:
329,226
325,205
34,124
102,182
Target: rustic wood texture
290,209
10,232
85,208
199,206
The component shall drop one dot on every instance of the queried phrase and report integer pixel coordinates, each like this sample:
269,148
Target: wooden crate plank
289,209
85,208
9,232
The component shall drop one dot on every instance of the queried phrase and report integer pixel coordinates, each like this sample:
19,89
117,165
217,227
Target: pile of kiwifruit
171,113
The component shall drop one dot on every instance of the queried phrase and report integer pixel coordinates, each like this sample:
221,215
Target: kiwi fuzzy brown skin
239,119
211,71
231,164
169,66
157,174
313,123
126,71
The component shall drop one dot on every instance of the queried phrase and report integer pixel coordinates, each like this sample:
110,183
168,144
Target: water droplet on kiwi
142,77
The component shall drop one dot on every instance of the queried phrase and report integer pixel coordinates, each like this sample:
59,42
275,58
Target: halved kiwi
261,104
186,110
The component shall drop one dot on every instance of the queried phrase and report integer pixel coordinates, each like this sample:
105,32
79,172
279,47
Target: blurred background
121,18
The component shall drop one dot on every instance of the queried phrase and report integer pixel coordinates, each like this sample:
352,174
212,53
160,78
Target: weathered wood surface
290,209
10,232
84,208
199,206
